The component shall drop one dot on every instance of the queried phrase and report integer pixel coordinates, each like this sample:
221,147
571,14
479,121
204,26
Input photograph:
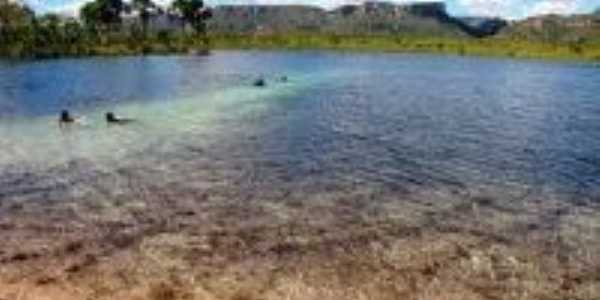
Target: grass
108,44
171,43
499,47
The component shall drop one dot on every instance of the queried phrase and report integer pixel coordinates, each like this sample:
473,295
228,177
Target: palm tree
144,8
102,12
16,28
13,14
194,13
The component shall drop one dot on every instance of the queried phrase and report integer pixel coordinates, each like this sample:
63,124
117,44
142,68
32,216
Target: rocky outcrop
556,28
371,17
484,26
266,18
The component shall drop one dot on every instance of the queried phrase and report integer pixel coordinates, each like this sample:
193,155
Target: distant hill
375,17
265,18
368,18
484,26
556,28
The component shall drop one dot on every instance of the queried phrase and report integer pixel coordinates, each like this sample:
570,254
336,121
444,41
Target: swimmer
112,119
260,82
66,119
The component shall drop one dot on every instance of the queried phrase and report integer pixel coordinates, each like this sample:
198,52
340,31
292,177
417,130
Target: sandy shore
163,242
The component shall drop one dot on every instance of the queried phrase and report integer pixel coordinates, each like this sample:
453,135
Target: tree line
101,29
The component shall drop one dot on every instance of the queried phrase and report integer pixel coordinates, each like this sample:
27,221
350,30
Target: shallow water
394,121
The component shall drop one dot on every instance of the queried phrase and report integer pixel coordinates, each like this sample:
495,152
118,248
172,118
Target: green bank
183,44
496,47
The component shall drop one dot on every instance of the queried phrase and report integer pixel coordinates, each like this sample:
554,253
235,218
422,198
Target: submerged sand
214,240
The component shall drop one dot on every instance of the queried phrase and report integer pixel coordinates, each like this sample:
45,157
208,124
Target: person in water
260,82
65,119
112,119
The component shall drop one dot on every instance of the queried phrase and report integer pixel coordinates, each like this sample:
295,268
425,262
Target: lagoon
376,176
393,120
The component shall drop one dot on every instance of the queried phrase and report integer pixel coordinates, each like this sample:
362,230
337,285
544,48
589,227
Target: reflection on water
401,122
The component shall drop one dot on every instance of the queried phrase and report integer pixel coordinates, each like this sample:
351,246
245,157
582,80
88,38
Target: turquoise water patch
39,141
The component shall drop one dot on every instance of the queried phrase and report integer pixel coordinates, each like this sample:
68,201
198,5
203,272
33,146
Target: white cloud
519,8
70,9
555,7
512,8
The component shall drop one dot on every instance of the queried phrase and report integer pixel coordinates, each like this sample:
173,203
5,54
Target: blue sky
513,9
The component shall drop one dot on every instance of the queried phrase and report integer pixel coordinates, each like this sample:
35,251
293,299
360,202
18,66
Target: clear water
393,121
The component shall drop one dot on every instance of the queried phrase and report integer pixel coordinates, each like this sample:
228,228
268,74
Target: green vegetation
493,46
102,31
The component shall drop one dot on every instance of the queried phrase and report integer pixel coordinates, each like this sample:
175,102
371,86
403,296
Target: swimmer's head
110,117
65,116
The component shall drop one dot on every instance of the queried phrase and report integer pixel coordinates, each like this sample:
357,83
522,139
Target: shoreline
468,47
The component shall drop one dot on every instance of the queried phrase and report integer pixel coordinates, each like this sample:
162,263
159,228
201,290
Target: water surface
391,121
